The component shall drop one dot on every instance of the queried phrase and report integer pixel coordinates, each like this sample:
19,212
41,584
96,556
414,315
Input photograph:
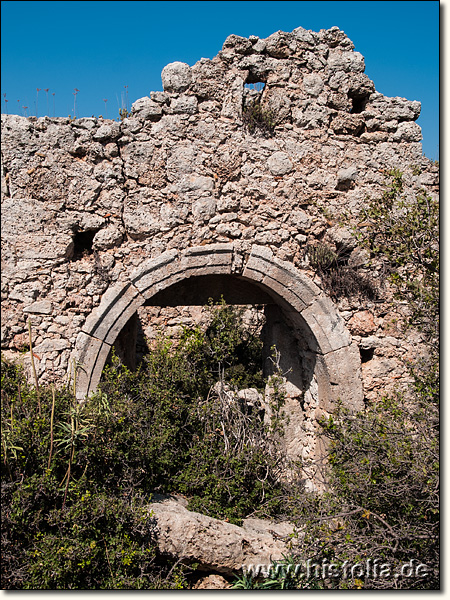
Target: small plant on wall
338,278
258,118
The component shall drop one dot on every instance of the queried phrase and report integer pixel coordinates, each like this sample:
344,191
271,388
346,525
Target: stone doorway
317,357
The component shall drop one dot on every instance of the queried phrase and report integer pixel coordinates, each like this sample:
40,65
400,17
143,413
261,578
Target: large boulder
176,77
217,545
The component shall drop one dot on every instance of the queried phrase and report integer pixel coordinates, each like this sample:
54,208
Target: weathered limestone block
232,104
279,163
347,124
107,132
182,160
44,307
147,277
210,259
146,109
160,97
51,345
396,108
334,37
362,323
345,61
305,36
313,84
214,544
301,220
343,239
171,216
294,288
339,81
109,237
381,373
204,208
407,132
118,304
280,44
340,379
140,217
359,85
374,136
48,248
176,77
311,116
89,357
339,101
327,326
259,67
209,78
195,183
184,105
235,44
212,582
137,158
278,102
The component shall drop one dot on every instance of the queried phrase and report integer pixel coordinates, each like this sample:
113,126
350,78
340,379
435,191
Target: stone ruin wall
87,201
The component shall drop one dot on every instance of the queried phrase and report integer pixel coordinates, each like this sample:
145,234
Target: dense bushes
67,528
77,477
339,278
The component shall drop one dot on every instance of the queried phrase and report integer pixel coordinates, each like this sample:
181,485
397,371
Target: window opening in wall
83,243
258,86
258,118
366,354
253,92
358,104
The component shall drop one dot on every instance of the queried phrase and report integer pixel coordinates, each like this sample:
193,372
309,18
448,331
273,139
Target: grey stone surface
204,208
176,77
407,132
313,84
279,163
215,545
52,345
43,307
88,359
326,324
184,105
107,132
110,237
145,108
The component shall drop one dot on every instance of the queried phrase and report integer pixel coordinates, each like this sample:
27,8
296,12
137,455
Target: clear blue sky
101,47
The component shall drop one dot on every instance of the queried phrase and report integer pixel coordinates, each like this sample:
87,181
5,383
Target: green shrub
258,118
338,278
403,233
383,463
76,478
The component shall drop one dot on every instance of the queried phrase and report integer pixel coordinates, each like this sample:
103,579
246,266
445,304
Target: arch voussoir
298,290
339,379
117,306
91,356
327,326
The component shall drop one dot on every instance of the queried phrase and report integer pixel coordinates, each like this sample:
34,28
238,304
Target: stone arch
336,365
337,362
